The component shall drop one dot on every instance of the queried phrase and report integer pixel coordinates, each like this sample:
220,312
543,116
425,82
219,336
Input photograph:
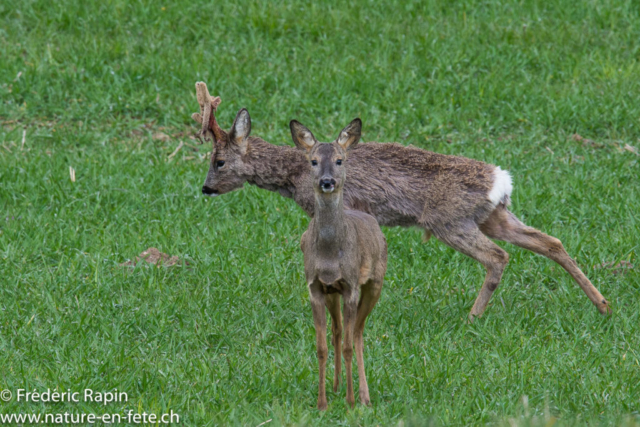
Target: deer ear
302,137
241,129
350,135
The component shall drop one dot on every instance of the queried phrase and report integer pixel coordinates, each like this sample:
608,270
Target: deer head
327,160
227,170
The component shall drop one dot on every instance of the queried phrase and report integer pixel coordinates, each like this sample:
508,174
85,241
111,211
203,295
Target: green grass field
107,88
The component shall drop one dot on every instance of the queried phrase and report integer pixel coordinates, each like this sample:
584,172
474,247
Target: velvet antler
207,118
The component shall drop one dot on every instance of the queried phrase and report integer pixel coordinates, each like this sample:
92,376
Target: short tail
501,191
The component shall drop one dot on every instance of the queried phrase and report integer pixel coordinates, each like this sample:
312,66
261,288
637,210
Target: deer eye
339,162
314,163
220,163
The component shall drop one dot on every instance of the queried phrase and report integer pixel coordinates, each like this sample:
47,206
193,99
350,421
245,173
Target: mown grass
228,339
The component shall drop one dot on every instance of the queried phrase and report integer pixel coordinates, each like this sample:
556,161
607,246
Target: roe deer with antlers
463,202
345,253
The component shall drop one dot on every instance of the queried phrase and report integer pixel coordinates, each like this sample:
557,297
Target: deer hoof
365,400
604,308
351,403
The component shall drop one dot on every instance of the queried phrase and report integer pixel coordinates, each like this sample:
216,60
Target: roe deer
463,202
345,253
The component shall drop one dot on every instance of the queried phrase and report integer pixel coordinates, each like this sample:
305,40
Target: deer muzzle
208,191
327,185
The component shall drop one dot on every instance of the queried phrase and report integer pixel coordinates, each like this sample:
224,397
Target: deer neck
330,227
274,167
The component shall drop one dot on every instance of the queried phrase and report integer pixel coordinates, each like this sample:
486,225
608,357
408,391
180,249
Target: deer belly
331,280
332,289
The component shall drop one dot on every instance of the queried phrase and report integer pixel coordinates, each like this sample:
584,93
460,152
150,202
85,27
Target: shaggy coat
463,202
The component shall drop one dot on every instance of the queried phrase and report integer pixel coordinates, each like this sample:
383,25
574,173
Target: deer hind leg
320,323
369,295
503,225
469,240
350,310
333,304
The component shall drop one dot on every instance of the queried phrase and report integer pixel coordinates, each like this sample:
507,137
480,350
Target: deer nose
327,184
208,190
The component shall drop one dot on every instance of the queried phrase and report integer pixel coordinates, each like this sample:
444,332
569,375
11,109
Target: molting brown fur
447,196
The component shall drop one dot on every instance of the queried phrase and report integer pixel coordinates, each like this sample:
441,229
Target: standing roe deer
463,202
345,253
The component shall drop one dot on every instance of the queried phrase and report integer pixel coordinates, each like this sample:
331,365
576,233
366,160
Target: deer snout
208,191
327,184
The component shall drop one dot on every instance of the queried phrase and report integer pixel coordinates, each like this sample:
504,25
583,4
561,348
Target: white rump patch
501,190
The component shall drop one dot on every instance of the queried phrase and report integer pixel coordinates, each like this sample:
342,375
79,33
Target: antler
208,106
